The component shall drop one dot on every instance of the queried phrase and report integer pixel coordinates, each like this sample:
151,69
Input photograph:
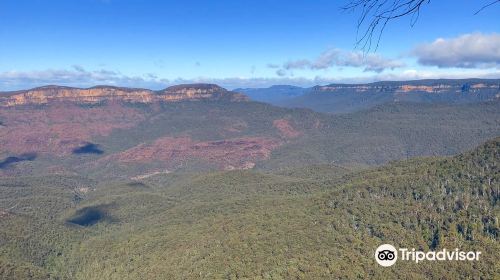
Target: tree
376,14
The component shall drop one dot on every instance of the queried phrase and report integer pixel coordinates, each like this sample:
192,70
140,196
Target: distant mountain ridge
428,85
125,132
47,94
273,94
345,98
332,98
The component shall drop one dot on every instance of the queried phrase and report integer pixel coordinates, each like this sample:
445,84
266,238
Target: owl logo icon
386,255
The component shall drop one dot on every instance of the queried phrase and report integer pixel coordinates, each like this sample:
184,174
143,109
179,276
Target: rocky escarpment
48,94
426,86
198,92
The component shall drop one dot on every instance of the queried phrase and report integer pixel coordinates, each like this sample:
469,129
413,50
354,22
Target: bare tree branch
376,14
486,6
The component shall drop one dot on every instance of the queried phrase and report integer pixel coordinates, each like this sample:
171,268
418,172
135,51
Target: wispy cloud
474,50
410,74
82,78
414,74
341,58
76,76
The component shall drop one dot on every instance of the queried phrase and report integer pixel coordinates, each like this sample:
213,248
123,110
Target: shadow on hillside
139,185
89,148
11,160
89,216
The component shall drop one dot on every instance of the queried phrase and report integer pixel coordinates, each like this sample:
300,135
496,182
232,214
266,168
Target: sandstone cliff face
408,88
48,94
198,92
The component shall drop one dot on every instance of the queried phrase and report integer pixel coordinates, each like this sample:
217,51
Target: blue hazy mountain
274,94
344,98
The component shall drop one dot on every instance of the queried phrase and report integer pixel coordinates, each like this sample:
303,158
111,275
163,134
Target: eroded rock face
286,129
48,94
198,92
237,153
401,87
44,95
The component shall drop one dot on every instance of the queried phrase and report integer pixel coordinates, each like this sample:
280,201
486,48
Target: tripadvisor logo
387,255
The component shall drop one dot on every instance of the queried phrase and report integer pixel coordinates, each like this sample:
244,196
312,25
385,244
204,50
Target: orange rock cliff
48,94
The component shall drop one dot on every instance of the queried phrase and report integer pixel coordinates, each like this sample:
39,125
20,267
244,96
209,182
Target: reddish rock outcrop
238,153
48,94
286,129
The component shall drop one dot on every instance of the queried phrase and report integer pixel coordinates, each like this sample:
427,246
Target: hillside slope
322,224
112,137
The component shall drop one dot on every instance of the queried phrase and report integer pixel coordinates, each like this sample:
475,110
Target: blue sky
245,43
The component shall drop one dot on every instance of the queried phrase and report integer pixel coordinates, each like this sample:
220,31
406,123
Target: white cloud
340,58
77,76
15,80
411,74
474,50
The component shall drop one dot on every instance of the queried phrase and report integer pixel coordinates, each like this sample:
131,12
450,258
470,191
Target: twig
486,6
